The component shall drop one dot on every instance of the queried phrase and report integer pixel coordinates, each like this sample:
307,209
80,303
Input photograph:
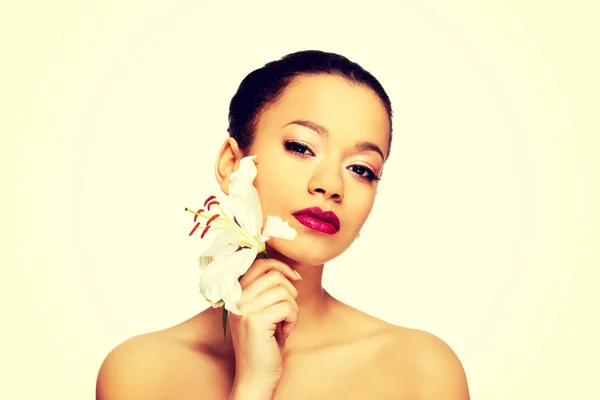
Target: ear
227,162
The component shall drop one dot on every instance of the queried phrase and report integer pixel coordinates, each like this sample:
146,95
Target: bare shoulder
134,369
409,363
156,365
431,363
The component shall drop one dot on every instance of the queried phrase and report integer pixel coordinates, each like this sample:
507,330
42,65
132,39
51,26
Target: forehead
351,112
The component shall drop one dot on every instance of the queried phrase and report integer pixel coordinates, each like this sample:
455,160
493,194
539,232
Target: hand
270,313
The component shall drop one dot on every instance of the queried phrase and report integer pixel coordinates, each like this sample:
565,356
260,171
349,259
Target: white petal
225,242
219,279
244,197
276,227
204,261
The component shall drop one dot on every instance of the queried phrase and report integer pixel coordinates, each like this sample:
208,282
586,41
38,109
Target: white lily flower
234,250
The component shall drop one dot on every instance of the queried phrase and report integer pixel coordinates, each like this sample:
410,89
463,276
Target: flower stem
224,322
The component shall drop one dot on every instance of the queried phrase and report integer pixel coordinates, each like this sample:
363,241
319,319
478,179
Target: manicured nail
297,274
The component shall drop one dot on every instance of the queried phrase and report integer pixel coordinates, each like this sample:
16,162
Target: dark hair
264,86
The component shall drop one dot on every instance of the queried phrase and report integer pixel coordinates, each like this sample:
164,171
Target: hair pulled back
264,86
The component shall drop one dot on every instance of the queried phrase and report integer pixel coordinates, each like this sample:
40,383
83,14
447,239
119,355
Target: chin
302,251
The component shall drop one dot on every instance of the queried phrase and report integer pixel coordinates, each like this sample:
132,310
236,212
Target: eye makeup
302,150
298,148
364,172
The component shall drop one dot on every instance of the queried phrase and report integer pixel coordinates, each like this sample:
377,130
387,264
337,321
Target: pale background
484,227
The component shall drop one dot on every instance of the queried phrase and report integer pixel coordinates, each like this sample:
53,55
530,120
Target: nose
327,181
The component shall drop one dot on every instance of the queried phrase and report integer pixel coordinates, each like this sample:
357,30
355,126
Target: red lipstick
319,220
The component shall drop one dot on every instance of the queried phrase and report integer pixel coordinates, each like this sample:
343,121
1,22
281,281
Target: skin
293,333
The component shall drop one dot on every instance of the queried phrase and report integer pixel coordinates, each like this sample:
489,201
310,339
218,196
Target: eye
364,172
298,148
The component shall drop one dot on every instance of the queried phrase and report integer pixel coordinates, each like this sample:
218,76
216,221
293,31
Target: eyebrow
320,129
324,132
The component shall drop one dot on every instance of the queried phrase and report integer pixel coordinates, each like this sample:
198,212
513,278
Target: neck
314,301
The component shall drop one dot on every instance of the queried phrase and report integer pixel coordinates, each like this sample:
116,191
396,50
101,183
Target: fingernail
297,274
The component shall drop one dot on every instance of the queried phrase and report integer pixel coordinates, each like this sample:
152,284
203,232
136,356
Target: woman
320,127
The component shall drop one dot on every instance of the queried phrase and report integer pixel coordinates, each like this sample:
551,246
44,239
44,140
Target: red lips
315,218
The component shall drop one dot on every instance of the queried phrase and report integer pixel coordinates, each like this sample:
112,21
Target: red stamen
200,211
209,199
194,229
211,219
210,204
204,231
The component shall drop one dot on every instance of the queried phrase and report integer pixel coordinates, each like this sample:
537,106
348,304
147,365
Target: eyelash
295,147
300,150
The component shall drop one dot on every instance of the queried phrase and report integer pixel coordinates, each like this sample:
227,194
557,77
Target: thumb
287,327
280,336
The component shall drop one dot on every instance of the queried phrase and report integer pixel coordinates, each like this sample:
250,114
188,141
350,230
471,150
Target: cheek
277,187
361,208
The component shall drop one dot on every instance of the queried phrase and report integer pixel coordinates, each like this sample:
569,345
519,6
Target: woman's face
321,145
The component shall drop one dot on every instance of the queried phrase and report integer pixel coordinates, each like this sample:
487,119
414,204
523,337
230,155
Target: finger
267,299
265,282
271,317
262,266
280,336
288,327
